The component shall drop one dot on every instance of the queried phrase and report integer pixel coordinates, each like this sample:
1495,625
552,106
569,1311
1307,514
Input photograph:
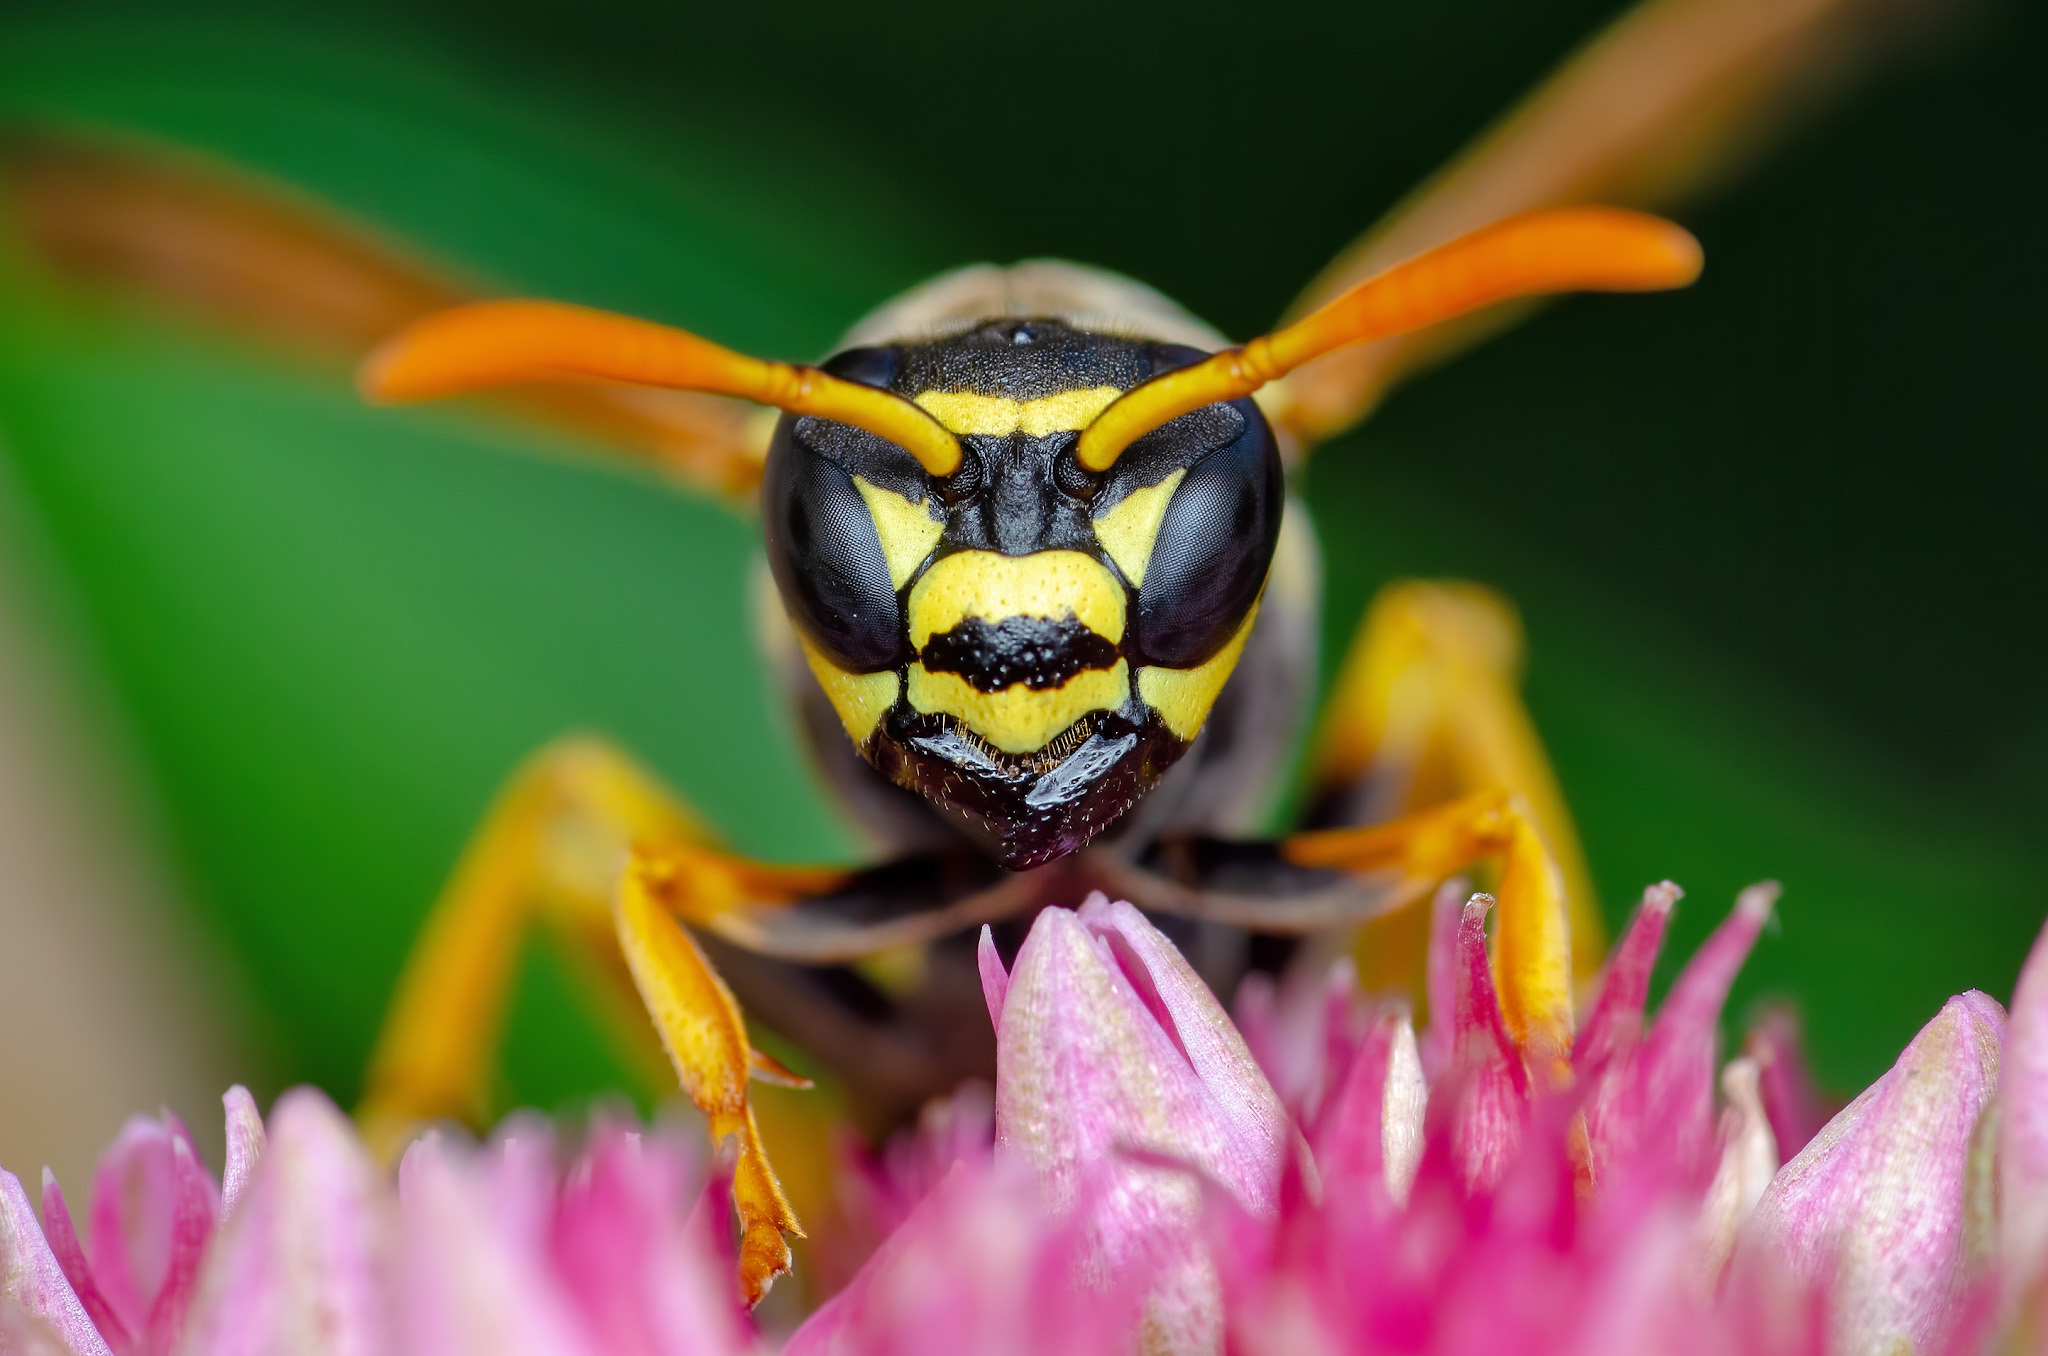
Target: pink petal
64,1245
469,1285
1258,1133
621,1242
1490,1087
875,1193
1115,1063
23,1334
1749,1160
1446,914
195,1202
1404,1108
1086,1067
1302,1030
303,1265
979,1267
245,1146
2023,1120
152,1204
1616,1022
1795,1106
1875,1205
1368,1139
1679,1056
31,1280
995,981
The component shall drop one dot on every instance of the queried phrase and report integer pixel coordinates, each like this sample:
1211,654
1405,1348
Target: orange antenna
1568,249
501,343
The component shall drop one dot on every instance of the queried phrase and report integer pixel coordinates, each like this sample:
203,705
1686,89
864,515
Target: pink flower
982,1266
1117,1070
1875,1205
493,1249
1150,1186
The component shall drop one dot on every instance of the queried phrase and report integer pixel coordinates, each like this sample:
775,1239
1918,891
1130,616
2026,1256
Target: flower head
1151,1187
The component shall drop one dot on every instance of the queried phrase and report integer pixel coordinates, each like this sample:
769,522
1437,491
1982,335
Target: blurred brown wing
211,242
1671,96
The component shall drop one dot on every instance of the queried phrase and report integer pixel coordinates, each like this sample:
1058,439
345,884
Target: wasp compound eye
827,557
875,367
1214,547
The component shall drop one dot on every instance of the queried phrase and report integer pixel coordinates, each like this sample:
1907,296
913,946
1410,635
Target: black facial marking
827,559
1029,810
1030,650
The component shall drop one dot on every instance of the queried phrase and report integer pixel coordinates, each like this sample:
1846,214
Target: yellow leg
1532,943
1426,709
588,843
701,1027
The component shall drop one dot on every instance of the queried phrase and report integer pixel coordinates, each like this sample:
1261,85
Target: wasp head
1023,642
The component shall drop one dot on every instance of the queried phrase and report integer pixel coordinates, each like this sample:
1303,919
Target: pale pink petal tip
982,1267
1749,1159
62,1235
1874,1207
995,980
2023,1119
245,1145
1679,1057
1368,1138
149,1218
1785,1082
303,1264
1617,1018
1115,1062
34,1293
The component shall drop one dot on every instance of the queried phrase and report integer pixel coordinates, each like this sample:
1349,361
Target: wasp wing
217,244
1665,101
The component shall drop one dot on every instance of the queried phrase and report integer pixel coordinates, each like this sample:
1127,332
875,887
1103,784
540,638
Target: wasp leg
1426,764
1532,946
550,853
701,1028
1426,709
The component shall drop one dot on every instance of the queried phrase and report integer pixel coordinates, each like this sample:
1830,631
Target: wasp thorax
1025,643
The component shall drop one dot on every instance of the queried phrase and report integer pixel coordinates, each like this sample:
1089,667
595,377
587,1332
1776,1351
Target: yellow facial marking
1129,530
1018,720
1182,697
963,412
859,698
907,530
1048,584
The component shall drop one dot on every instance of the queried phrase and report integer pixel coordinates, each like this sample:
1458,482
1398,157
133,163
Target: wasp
1035,585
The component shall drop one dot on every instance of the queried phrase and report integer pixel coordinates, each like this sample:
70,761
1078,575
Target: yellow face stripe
1129,530
1182,697
859,698
962,412
1048,584
1018,720
907,531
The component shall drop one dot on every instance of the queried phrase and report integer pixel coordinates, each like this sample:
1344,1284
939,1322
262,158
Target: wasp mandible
1036,585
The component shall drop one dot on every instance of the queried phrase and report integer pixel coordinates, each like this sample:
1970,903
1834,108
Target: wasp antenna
1566,249
489,344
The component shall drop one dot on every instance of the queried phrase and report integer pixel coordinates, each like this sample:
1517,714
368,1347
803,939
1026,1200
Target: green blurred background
1776,539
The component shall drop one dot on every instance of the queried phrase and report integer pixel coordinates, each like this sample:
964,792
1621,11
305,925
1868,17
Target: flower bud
1114,1061
1874,1206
